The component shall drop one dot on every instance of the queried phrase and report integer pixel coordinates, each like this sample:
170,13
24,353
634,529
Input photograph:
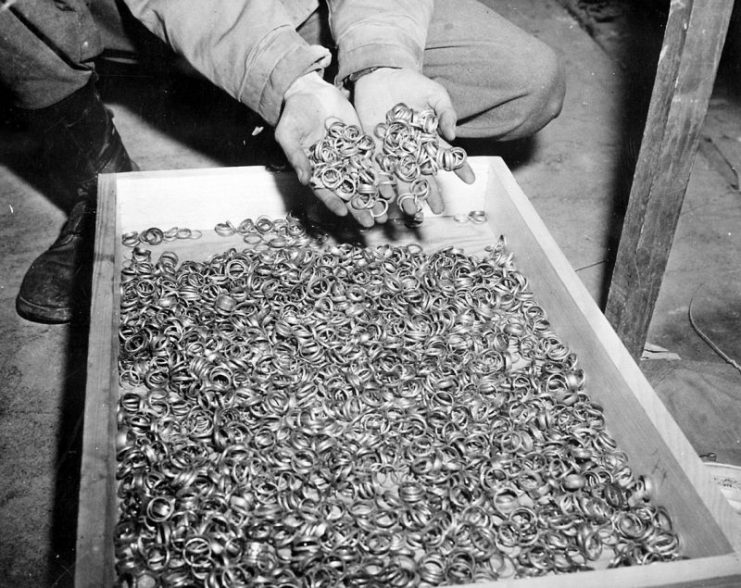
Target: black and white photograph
370,293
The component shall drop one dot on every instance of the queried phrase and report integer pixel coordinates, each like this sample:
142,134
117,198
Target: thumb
292,147
446,115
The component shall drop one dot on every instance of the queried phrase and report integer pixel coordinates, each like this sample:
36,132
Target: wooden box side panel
718,572
142,200
97,506
635,415
199,199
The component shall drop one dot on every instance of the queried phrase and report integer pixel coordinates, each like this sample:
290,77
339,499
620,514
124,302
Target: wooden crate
198,199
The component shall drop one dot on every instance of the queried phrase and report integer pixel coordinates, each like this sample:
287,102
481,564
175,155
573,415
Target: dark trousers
47,49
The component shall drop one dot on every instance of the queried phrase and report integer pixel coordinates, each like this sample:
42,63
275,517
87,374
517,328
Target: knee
548,88
514,100
544,93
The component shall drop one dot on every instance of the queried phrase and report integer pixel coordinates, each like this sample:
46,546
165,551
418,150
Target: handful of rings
345,160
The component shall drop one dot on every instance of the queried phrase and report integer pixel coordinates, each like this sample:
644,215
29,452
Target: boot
79,141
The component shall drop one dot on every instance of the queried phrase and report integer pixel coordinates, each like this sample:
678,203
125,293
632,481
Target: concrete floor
575,172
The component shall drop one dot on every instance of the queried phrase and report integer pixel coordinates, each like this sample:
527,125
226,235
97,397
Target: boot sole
42,314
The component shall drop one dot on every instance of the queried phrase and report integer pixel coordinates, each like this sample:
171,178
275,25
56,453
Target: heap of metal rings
343,160
323,414
154,236
262,230
267,232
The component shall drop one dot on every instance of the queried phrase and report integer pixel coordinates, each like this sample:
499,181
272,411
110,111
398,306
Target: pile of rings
316,414
345,161
154,236
342,161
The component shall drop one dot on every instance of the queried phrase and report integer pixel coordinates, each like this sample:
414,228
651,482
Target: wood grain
97,503
688,62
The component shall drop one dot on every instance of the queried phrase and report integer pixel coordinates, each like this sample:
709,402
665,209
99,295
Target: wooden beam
692,46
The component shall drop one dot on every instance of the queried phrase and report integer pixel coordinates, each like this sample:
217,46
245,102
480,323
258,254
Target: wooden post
693,41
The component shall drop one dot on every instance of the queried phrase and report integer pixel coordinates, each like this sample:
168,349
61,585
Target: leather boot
54,289
79,141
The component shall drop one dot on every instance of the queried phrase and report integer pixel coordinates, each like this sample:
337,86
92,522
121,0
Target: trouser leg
46,50
79,141
46,53
503,82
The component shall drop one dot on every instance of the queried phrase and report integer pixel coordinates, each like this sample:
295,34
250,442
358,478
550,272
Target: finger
296,157
466,174
447,117
380,212
364,217
404,200
387,188
447,124
435,198
408,207
331,201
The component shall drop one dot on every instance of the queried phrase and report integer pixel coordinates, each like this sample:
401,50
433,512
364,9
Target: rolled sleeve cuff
378,52
284,58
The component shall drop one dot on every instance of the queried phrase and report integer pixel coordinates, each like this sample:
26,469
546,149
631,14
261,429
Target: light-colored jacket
251,49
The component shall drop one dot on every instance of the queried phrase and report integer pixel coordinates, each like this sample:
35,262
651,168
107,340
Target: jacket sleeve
375,33
248,48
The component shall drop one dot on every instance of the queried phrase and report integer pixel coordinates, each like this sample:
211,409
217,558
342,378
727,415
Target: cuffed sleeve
250,49
378,33
282,58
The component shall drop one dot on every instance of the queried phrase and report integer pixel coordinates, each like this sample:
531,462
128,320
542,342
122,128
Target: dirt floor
698,314
576,172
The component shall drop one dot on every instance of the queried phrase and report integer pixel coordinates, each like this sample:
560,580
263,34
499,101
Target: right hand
308,103
379,91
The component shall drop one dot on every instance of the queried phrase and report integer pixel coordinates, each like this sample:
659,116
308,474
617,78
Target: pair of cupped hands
310,101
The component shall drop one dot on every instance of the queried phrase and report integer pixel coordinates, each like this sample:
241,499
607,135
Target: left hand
308,103
379,91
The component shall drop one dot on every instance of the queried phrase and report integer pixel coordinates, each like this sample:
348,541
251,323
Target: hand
379,91
308,103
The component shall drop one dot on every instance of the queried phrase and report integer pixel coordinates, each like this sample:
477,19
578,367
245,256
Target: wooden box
199,199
